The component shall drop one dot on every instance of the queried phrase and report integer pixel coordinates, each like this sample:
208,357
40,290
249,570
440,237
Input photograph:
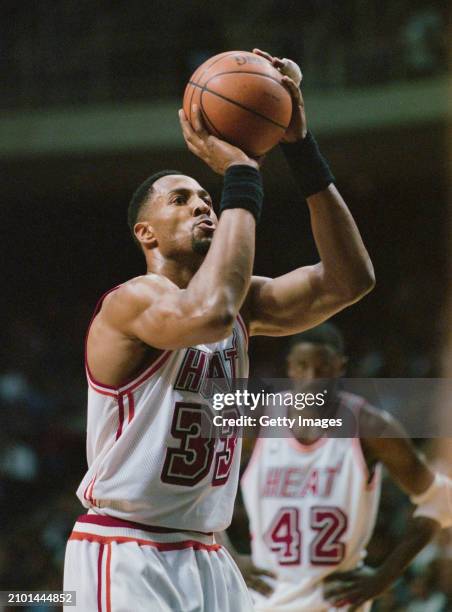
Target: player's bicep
168,324
160,315
290,303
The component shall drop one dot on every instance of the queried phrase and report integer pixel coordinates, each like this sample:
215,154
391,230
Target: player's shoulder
372,421
127,301
376,422
137,292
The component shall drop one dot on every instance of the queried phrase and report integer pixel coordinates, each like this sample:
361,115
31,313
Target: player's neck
180,273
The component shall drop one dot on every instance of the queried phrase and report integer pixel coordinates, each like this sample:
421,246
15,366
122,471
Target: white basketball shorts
115,567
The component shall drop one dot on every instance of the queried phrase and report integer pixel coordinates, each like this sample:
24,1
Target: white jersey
312,510
147,460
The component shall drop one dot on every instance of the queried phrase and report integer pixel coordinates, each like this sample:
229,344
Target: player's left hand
355,587
252,575
298,126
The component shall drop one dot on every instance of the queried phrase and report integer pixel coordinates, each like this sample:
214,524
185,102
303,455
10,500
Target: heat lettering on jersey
297,482
200,371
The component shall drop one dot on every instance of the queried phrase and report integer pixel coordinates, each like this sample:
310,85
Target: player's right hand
252,575
217,154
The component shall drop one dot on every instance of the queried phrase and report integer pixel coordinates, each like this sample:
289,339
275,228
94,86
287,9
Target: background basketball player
155,489
312,499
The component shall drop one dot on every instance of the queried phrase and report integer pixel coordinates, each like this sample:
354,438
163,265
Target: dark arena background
88,109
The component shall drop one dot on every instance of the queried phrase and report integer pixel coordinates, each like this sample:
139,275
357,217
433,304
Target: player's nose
201,208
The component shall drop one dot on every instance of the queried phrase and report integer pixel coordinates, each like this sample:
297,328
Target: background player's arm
250,572
307,296
155,311
409,470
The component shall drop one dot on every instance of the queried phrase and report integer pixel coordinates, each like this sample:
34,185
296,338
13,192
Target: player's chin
201,244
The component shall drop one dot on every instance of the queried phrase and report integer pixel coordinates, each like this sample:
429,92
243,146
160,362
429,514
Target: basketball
242,100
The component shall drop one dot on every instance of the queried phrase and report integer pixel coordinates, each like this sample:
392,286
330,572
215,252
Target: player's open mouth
206,224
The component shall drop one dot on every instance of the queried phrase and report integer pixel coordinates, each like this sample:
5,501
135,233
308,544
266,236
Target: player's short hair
140,197
325,334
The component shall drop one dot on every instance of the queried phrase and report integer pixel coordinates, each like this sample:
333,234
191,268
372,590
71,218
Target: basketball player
312,499
156,489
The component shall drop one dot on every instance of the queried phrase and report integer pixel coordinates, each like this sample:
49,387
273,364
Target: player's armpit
293,302
155,311
384,440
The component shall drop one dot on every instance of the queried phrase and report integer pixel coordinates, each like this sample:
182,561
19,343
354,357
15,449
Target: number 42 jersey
312,510
149,458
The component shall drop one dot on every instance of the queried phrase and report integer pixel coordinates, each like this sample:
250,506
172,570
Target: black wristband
242,188
309,167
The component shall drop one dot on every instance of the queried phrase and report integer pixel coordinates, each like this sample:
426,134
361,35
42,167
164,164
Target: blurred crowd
42,453
72,52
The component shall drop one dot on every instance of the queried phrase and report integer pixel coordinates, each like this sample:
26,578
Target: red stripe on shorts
107,579
99,577
164,546
111,521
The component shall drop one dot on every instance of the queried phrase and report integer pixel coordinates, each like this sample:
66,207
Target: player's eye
179,199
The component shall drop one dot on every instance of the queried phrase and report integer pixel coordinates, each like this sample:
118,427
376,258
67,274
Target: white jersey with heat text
147,459
312,510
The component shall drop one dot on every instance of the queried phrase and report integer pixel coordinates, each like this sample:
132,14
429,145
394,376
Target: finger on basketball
187,130
293,89
198,124
279,64
191,147
264,54
182,118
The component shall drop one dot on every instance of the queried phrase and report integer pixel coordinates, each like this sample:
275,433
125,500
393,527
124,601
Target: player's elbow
218,317
358,285
221,322
364,283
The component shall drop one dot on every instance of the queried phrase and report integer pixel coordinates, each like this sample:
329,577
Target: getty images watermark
243,400
276,407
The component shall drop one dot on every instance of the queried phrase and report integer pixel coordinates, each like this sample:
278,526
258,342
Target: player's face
308,362
181,216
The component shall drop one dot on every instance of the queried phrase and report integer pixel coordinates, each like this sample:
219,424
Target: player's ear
144,233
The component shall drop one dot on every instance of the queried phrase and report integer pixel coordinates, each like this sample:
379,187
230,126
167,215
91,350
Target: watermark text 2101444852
37,598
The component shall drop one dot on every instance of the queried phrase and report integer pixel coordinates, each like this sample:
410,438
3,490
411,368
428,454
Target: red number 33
191,461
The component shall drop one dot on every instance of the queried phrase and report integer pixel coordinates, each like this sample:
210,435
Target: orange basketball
242,100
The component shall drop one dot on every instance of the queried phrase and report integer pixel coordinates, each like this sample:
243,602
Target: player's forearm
344,258
223,279
419,533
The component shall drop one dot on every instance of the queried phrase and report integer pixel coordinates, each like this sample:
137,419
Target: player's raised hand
291,79
217,154
252,575
355,587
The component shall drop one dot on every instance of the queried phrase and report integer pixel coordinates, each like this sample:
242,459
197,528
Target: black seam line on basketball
201,75
250,110
220,135
265,76
213,64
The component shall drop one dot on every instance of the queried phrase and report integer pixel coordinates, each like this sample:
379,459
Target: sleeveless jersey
149,460
312,510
